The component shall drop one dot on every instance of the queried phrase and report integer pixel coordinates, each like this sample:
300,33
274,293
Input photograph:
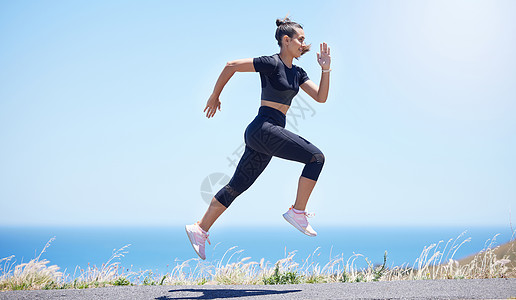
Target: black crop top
279,83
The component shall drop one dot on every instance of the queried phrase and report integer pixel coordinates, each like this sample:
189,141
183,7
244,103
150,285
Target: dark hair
288,28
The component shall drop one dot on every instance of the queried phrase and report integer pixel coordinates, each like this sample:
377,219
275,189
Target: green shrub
278,277
122,281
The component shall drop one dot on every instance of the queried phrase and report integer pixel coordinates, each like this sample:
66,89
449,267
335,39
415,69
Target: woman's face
296,44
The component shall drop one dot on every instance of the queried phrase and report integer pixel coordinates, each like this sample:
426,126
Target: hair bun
282,22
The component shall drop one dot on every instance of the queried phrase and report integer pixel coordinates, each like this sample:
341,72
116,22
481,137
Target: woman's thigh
277,141
251,165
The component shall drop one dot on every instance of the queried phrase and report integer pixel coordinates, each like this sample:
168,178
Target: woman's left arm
320,93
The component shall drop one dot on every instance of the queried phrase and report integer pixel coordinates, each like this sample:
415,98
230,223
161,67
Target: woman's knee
318,158
314,167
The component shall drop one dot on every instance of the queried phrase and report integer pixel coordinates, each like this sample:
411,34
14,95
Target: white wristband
326,71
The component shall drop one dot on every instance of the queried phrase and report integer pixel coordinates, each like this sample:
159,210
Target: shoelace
307,214
204,235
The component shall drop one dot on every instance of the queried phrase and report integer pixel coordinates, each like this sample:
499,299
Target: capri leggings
266,137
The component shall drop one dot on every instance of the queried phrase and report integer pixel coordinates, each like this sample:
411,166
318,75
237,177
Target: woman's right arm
239,65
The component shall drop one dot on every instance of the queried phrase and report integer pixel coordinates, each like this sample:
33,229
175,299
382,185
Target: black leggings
266,137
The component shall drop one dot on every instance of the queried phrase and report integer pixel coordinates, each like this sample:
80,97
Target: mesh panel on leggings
231,191
318,157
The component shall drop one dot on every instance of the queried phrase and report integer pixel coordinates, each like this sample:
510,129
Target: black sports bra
279,83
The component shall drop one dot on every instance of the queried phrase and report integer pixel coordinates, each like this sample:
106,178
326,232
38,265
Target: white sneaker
197,237
299,221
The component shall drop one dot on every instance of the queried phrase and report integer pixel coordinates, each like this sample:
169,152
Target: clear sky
102,123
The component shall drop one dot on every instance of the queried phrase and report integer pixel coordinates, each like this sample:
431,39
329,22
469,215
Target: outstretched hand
212,105
324,58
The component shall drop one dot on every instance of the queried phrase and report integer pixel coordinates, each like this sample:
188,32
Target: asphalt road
417,289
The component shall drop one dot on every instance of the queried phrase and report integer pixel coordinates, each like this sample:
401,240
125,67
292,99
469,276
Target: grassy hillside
507,250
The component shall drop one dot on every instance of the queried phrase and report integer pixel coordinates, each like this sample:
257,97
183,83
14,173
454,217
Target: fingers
318,57
209,112
325,49
212,110
207,108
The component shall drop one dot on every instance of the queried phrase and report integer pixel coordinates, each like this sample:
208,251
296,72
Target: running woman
266,135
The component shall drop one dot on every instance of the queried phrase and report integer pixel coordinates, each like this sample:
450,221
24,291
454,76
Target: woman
266,135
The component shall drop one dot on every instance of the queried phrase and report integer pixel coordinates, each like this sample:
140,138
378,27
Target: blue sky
102,123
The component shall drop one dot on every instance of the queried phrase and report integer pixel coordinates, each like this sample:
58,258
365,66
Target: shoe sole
192,242
293,223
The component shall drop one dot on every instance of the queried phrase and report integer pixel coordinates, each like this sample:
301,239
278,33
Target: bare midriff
281,107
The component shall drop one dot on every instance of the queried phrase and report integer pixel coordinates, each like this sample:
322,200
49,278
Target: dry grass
36,275
27,276
433,263
505,251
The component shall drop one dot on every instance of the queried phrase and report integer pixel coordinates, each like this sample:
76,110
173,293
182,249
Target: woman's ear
286,39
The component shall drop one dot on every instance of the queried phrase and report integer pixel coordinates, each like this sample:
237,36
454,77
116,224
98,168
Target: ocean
159,249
